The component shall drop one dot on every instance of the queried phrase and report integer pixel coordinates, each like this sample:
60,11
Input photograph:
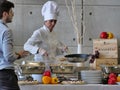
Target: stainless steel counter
70,87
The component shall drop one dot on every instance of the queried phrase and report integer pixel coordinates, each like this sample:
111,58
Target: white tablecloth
70,87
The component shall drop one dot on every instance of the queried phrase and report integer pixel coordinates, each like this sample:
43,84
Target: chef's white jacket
43,38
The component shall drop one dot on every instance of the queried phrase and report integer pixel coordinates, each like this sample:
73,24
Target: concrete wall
99,15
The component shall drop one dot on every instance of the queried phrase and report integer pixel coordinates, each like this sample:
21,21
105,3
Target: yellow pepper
54,80
110,35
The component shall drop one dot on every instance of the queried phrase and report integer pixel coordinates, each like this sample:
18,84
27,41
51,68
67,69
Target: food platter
26,82
62,68
32,67
74,82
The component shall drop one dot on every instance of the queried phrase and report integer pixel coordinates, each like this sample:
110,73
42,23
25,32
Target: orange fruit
46,80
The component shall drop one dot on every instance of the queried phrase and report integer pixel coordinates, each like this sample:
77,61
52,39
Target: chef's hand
22,54
65,49
42,52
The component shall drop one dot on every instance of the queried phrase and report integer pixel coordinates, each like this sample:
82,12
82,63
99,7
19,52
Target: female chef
43,42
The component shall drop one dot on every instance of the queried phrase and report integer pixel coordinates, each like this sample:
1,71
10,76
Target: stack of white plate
91,76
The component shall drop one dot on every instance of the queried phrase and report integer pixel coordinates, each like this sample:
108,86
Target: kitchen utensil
110,69
33,67
74,58
62,68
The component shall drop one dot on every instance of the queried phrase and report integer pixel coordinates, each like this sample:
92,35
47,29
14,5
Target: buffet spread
69,72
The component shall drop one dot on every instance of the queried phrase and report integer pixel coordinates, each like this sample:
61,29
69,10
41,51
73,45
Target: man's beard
8,20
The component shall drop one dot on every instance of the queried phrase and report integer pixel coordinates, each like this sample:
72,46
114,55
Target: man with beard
8,78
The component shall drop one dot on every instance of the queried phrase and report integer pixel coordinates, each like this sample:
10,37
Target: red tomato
47,73
112,80
112,75
103,35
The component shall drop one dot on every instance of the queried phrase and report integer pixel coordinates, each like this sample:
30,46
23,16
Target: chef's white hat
50,10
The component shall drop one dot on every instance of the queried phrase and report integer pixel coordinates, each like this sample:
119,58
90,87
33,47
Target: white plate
93,82
92,78
91,72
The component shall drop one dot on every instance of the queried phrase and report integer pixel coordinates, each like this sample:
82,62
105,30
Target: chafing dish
110,69
62,68
32,68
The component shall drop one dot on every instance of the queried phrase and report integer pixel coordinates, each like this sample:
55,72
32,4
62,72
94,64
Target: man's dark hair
2,1
5,6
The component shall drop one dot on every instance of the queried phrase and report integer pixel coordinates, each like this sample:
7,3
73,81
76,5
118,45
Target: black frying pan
77,57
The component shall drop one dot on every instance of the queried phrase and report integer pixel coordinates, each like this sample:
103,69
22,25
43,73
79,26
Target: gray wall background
99,15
